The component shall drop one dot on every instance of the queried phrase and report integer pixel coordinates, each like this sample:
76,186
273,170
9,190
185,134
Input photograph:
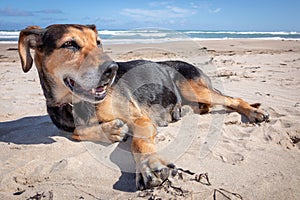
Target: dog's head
70,62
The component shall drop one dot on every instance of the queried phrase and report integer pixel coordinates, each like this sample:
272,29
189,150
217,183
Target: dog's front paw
116,130
113,131
152,171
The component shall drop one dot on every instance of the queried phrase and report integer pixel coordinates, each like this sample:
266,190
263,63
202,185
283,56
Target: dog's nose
110,69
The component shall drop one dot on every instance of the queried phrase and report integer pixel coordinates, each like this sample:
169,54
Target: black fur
52,35
154,85
62,117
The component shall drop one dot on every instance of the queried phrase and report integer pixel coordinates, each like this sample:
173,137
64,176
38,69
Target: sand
241,160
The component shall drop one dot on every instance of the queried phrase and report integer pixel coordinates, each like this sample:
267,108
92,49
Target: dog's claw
258,116
176,112
152,172
267,117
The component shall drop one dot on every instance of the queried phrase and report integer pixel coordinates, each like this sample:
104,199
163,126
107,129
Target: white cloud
205,6
50,11
215,10
181,11
15,12
140,13
168,12
159,3
194,5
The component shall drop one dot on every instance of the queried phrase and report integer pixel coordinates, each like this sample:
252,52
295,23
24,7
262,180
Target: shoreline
151,35
254,161
162,41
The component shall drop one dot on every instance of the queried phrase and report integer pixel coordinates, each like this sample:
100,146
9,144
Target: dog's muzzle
93,92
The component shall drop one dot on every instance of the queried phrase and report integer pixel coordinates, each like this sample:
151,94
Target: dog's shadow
29,130
122,157
40,130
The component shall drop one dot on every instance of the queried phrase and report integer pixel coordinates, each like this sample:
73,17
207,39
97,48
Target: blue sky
248,15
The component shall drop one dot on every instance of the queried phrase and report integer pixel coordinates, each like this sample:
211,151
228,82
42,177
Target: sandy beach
230,157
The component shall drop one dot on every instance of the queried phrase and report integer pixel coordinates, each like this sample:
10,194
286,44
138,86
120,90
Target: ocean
158,36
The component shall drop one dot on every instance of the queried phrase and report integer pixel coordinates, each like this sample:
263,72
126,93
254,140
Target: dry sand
241,160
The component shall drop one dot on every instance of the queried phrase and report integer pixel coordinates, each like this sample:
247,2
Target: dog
98,99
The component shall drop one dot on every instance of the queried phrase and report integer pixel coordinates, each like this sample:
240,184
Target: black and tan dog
101,100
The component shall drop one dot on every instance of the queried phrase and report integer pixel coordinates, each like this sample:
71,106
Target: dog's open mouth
93,94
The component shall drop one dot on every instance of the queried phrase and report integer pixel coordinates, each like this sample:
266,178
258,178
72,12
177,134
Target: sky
235,15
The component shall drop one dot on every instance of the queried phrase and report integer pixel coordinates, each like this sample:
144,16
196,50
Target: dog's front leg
151,168
109,132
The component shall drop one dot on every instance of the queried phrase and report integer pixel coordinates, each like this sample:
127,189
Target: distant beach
160,35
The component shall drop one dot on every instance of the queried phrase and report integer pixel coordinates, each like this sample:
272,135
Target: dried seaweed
170,188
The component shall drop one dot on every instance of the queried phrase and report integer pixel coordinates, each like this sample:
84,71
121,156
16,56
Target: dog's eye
99,44
72,45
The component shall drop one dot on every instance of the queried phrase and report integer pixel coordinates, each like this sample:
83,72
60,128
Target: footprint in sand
228,156
232,158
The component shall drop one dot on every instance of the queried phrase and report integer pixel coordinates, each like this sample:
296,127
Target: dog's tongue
99,89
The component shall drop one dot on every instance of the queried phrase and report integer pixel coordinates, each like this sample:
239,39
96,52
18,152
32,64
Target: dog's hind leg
197,91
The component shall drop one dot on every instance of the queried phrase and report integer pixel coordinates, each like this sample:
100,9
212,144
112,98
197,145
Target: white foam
160,36
245,32
8,42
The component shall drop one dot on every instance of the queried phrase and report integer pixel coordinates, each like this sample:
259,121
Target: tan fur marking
144,131
196,91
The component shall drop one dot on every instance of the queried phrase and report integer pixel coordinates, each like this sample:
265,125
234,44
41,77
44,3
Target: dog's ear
31,37
93,27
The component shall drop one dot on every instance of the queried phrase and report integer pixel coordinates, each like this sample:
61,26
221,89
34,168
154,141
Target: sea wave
158,36
245,32
9,36
149,41
13,33
143,41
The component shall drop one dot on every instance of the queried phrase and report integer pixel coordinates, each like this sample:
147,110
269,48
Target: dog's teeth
99,93
93,91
